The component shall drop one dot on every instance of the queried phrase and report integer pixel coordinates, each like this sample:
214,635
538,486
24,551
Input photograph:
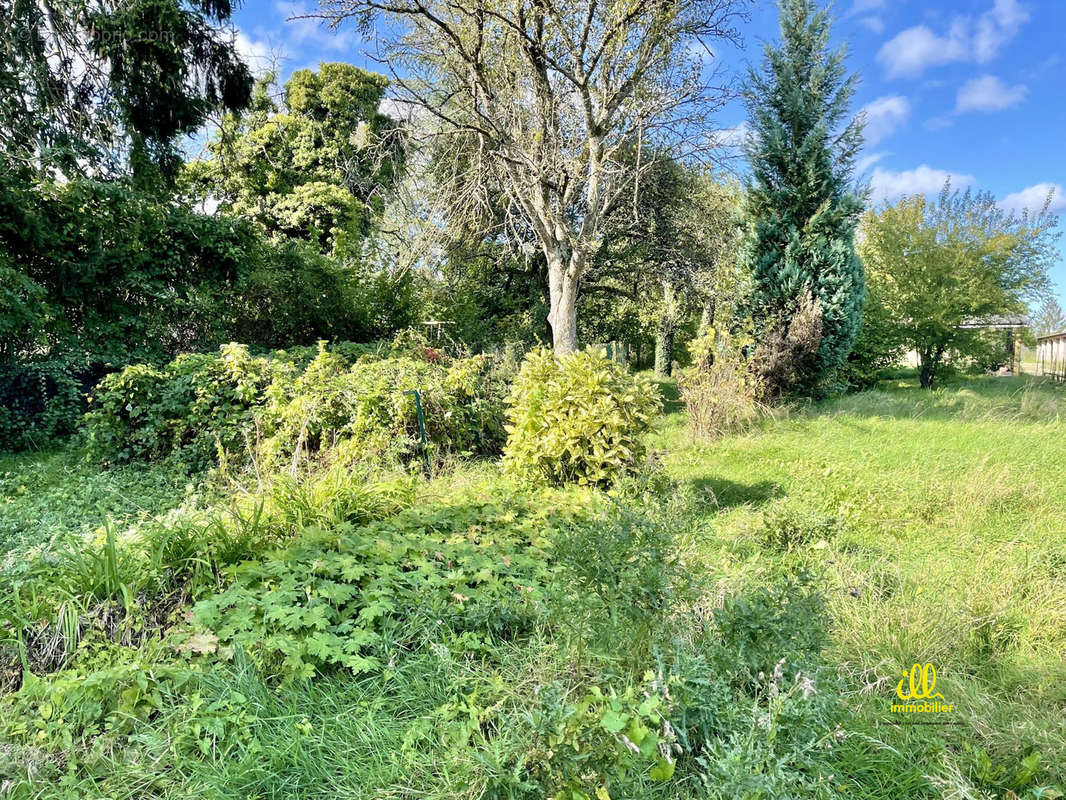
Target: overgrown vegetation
282,410
738,630
336,524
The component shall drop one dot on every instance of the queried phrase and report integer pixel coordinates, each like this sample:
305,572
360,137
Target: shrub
342,407
579,418
721,393
367,412
627,589
787,357
761,626
189,409
38,403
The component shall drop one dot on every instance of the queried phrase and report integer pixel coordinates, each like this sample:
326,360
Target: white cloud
873,23
1032,199
988,93
998,26
304,26
256,53
884,116
731,137
916,49
870,20
889,185
868,161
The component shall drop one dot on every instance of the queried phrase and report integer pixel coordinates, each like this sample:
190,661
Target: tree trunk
664,342
563,277
928,361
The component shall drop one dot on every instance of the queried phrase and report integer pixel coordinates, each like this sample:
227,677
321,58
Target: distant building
1051,355
1012,326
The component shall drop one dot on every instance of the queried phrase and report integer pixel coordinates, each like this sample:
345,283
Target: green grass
950,548
933,524
59,493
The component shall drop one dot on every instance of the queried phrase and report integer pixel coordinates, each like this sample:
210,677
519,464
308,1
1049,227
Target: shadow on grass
671,394
730,494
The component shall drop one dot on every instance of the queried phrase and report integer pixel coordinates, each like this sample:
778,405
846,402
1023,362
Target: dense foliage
318,169
329,576
95,275
284,408
104,275
577,418
39,404
939,269
84,84
300,567
801,203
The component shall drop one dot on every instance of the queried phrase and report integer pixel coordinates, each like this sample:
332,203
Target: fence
1051,356
1056,370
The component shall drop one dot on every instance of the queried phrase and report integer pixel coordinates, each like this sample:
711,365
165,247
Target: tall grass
950,511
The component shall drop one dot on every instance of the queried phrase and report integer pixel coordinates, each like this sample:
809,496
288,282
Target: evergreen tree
1050,318
106,88
801,202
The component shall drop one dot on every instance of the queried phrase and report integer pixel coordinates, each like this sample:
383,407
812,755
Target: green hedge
288,410
39,402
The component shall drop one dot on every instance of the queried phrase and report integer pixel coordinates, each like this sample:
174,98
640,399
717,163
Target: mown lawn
938,524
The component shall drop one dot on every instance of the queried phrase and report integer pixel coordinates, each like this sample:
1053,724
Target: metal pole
421,425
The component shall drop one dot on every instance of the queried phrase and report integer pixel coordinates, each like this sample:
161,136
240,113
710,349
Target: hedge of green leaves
286,410
39,402
580,418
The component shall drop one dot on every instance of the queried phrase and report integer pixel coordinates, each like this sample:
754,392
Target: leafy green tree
802,204
935,267
99,275
317,167
663,258
102,86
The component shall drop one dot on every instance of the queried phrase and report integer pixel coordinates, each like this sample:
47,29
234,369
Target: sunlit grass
952,549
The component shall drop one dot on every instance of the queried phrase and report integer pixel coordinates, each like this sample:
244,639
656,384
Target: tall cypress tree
801,199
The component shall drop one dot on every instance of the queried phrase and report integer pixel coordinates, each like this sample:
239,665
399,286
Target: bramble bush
365,412
189,409
579,418
339,407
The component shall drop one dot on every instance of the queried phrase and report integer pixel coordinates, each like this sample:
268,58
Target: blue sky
971,89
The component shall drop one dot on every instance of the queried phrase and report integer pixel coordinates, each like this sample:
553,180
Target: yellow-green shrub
365,411
579,418
286,408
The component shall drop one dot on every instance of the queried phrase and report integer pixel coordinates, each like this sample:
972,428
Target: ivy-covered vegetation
296,503
281,409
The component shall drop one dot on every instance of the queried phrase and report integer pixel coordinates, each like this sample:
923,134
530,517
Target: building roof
1043,336
997,321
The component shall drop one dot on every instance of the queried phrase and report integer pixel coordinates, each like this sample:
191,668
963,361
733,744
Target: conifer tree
802,204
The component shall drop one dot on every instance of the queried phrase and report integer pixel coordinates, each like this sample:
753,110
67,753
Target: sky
971,90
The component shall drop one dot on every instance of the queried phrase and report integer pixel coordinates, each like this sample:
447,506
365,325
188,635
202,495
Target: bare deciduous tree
544,103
